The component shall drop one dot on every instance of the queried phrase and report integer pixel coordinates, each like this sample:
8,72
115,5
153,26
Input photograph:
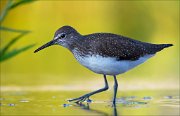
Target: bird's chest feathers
108,65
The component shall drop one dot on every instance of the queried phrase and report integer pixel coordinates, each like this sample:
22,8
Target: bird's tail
160,47
166,45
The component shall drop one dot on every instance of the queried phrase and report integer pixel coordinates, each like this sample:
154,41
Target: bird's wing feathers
122,48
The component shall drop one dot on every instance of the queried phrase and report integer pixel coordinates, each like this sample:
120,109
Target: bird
104,53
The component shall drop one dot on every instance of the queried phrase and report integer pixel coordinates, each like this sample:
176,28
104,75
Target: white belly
108,65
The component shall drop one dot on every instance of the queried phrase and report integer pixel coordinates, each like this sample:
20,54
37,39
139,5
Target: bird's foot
81,99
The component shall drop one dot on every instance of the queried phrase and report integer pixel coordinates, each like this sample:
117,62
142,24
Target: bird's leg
86,96
115,90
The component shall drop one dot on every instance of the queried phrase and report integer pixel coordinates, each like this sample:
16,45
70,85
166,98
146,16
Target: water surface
54,103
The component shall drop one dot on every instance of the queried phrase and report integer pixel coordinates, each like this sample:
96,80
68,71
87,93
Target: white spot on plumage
108,65
59,35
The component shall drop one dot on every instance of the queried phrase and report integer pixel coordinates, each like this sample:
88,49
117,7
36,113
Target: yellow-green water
148,102
40,83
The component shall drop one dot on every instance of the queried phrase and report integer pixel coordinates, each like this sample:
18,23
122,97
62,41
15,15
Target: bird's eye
60,36
63,35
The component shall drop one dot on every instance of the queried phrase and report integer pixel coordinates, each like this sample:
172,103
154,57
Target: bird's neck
75,43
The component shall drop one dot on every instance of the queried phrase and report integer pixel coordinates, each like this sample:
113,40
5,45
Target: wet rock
147,98
66,105
168,97
11,104
88,101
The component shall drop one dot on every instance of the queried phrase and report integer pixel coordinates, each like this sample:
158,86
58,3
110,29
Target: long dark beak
45,46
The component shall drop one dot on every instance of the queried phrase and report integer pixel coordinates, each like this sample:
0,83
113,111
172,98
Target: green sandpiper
104,53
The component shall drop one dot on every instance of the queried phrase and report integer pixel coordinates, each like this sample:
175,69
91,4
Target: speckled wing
122,48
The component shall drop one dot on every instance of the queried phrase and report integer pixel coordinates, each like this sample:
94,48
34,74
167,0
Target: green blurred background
148,21
40,83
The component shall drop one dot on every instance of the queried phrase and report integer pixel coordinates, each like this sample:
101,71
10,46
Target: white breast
108,65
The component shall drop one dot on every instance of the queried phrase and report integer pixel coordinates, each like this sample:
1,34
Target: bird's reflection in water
128,101
86,106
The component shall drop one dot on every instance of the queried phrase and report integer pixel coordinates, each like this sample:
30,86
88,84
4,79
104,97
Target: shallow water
54,103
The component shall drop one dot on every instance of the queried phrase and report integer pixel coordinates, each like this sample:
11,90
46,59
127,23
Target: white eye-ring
59,36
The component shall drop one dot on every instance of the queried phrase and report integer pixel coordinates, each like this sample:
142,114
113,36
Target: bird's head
64,36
